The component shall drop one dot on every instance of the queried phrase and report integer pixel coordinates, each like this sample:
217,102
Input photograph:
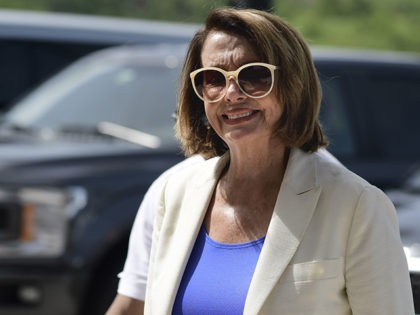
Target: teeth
239,115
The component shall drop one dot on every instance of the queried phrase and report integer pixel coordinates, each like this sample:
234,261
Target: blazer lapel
293,211
181,241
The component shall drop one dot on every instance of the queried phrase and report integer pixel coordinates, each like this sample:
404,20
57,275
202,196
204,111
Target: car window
25,63
371,111
131,92
392,106
334,117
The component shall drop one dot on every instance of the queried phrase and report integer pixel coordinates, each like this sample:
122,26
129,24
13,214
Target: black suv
79,152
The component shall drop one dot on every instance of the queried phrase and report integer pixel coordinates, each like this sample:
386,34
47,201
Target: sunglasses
255,80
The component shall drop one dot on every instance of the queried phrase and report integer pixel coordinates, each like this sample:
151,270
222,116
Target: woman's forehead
223,49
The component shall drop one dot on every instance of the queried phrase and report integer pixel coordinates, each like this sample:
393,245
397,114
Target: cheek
273,108
210,111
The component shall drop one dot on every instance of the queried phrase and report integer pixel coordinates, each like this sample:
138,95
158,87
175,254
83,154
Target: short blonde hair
296,84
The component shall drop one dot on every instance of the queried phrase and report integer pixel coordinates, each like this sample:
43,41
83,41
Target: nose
233,92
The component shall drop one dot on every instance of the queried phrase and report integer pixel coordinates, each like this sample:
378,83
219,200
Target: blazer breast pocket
313,287
313,270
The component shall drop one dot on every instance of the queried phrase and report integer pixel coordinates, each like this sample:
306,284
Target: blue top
217,277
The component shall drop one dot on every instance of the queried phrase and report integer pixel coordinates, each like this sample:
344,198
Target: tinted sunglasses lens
255,80
210,84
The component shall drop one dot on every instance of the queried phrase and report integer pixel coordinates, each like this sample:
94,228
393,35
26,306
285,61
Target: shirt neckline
215,243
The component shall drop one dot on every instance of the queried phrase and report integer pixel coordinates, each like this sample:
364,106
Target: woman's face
237,118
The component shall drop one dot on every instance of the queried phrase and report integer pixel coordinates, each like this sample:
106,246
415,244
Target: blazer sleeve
133,278
377,277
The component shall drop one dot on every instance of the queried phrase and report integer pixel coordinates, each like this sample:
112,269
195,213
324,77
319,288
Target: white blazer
332,247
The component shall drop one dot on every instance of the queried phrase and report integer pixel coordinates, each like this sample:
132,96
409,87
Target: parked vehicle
35,45
78,153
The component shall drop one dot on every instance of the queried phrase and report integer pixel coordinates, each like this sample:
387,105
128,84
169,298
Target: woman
266,225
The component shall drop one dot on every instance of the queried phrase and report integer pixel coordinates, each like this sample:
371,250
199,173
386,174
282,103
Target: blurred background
87,96
379,24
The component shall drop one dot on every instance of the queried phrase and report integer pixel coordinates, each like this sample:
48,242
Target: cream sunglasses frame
234,74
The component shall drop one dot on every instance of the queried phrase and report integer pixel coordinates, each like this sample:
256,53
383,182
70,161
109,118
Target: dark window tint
24,64
335,119
392,104
372,112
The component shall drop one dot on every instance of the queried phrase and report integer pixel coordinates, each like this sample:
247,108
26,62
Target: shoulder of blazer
336,180
306,171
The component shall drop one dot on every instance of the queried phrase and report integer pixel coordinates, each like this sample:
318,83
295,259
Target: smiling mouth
239,116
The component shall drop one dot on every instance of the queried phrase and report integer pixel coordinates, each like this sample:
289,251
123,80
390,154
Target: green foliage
380,24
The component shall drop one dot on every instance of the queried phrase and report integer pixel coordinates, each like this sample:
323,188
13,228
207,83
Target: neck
259,171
